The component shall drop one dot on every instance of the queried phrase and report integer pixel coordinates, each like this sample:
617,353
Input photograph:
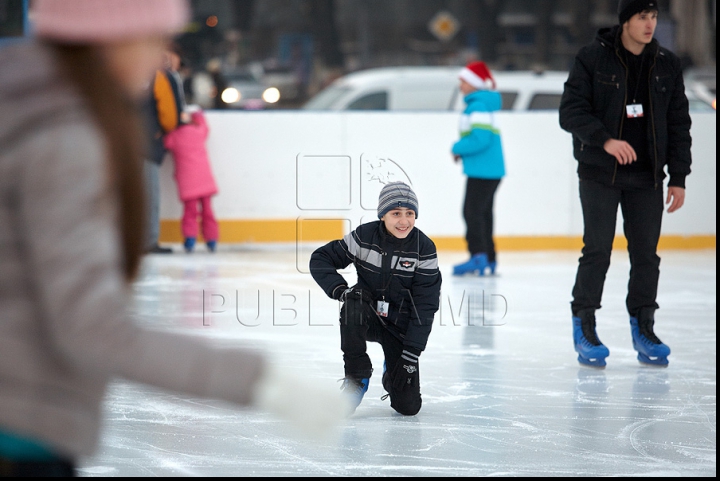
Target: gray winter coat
64,332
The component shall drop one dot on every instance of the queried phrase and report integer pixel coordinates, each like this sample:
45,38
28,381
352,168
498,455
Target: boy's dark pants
358,325
478,213
642,211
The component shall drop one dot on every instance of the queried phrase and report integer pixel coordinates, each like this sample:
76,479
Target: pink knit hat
99,21
478,75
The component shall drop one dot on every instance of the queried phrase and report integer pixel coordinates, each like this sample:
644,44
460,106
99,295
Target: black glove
339,292
353,293
407,369
358,304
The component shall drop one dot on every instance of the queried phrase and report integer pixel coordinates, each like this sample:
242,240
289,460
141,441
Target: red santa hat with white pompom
478,75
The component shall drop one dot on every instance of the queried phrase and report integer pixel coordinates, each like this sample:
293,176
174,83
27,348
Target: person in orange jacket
164,113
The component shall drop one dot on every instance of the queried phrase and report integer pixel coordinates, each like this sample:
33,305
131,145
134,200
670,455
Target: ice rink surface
503,393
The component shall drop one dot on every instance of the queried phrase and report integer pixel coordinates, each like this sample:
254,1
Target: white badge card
634,111
383,308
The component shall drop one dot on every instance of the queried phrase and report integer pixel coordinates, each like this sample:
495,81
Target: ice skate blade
654,362
465,272
657,354
598,363
473,274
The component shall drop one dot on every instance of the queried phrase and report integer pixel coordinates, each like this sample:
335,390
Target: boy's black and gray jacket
594,100
402,272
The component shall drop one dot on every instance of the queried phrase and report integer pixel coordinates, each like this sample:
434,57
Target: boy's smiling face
399,222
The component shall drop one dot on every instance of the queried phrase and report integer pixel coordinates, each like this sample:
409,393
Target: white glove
314,407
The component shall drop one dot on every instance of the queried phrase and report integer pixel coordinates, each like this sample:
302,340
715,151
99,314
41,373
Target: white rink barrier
275,169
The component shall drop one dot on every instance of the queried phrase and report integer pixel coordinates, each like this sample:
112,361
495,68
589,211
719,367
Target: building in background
318,40
302,45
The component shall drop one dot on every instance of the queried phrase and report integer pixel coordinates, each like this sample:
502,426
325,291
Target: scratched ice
502,391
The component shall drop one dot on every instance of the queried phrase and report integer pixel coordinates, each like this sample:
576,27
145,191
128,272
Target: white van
437,88
434,88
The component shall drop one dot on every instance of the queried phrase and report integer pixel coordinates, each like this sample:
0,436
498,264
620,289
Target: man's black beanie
628,8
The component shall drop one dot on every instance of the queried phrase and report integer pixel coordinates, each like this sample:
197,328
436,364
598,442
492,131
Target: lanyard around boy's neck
390,274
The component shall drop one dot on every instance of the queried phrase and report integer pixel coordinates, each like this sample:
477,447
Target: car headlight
230,95
271,95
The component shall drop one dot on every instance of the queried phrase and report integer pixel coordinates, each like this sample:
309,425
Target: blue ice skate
591,352
211,245
651,350
189,244
355,389
476,265
492,265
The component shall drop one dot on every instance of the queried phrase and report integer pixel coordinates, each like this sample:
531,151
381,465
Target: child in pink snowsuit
195,180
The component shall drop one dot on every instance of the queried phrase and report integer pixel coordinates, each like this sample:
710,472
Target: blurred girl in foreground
71,241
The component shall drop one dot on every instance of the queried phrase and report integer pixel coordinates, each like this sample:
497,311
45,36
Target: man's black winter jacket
403,272
594,100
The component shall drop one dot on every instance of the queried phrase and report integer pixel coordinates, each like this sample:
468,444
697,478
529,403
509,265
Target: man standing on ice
625,105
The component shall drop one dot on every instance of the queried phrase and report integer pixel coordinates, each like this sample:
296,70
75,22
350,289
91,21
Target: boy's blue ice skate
476,265
355,389
211,245
591,352
651,350
189,244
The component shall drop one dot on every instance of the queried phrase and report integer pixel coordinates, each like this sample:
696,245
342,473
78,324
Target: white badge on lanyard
383,308
634,111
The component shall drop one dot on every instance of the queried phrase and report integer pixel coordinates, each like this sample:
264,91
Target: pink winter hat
99,21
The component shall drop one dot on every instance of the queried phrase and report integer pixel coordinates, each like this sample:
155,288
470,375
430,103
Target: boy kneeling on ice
394,301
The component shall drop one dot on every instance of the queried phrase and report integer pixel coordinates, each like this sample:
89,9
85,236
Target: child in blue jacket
480,149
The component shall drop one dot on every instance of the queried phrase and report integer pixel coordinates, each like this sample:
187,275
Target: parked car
526,90
240,88
701,82
437,88
700,97
393,88
433,88
245,91
283,78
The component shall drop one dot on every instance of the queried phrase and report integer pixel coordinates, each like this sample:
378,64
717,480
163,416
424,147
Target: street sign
444,26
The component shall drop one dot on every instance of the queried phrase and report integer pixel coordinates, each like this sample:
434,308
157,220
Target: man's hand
676,198
621,150
456,158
